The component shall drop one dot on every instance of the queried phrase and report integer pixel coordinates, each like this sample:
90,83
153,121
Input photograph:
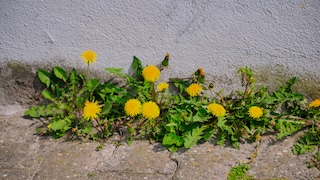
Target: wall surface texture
278,39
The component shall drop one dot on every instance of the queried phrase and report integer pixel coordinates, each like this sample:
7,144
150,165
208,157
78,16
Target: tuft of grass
314,161
239,172
90,175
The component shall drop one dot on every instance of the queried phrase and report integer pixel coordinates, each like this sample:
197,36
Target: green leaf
52,110
106,108
279,95
44,77
129,140
222,122
54,89
41,111
165,62
300,148
115,71
93,84
137,66
239,172
58,125
198,118
63,106
102,95
180,84
73,76
81,76
201,79
171,139
32,112
287,128
60,73
193,137
46,94
290,83
235,144
173,148
87,129
221,138
171,124
208,135
176,99
307,142
131,130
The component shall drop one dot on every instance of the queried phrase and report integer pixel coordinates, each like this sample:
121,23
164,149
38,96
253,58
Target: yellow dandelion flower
89,56
132,107
91,110
150,110
315,103
151,73
217,109
255,112
201,71
162,86
194,89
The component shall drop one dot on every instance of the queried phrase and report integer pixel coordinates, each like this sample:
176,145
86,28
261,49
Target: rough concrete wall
278,39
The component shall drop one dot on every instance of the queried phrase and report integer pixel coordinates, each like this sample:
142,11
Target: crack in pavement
37,170
177,166
115,149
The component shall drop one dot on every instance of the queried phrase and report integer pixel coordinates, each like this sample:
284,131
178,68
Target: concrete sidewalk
24,155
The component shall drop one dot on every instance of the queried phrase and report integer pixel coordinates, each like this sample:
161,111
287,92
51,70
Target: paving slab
25,155
276,160
18,145
140,160
68,161
209,161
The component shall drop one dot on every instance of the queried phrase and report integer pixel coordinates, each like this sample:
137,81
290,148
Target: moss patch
274,77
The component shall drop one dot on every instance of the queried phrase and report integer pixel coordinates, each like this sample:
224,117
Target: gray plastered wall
277,39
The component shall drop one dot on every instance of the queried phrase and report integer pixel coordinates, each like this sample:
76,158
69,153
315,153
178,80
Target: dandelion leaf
44,77
193,137
288,128
60,73
172,139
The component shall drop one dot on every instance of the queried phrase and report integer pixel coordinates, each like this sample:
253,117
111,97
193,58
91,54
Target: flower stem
162,95
87,73
153,93
101,127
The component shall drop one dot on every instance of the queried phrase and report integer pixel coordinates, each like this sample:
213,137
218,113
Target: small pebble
285,151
